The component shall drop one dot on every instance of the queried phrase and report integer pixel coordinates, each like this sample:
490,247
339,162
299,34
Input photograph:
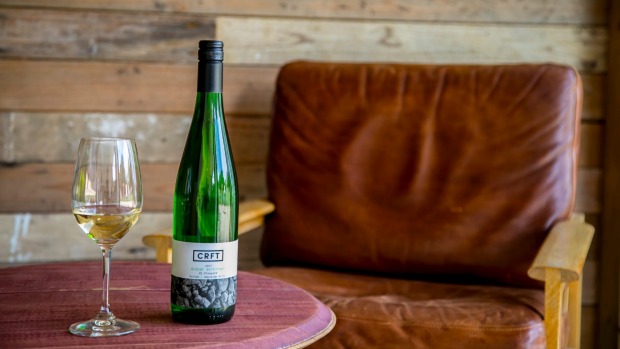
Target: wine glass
106,201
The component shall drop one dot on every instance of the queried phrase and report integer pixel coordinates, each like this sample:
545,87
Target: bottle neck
210,77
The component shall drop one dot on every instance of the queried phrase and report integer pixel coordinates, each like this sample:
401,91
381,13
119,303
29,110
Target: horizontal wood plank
521,11
593,86
173,38
276,41
54,137
30,238
589,191
126,87
591,145
159,88
589,327
595,220
589,277
102,35
47,187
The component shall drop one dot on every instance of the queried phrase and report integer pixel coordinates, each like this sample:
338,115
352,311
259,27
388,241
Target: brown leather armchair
413,199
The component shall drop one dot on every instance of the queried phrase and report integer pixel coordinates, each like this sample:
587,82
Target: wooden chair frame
559,263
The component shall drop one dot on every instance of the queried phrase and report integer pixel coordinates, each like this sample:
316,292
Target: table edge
316,337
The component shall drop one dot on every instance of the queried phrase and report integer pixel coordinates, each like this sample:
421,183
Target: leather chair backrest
421,170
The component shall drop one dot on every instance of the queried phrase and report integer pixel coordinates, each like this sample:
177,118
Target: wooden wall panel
276,41
609,316
506,11
589,327
161,88
47,187
126,67
54,137
126,87
593,96
33,238
172,38
103,35
591,152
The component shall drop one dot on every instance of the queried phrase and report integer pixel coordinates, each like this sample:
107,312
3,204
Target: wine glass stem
105,304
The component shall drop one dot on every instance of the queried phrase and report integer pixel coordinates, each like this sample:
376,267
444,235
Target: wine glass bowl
106,224
106,202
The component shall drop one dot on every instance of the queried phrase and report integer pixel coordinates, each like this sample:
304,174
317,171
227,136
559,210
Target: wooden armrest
565,249
251,215
559,263
162,243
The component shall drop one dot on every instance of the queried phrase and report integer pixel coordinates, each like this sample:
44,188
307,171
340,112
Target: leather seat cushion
376,312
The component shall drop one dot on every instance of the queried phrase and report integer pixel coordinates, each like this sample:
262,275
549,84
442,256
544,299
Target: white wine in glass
106,202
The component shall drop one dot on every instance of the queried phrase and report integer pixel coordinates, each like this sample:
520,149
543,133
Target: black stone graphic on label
201,294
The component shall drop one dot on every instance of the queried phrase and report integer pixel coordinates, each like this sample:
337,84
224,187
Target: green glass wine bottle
206,206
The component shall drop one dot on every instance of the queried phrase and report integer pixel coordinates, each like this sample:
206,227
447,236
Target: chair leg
553,308
574,314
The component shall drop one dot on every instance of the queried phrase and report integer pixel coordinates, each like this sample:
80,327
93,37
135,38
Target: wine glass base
99,328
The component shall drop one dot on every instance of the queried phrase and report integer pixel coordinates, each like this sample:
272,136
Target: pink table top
39,302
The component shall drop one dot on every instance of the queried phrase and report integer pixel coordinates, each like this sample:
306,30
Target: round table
38,303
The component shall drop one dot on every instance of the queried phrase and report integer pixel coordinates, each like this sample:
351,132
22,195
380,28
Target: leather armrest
565,249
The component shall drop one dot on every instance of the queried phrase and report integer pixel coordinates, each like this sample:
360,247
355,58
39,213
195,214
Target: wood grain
276,41
589,296
608,320
575,291
510,11
126,87
102,35
593,96
27,238
60,53
564,250
160,88
47,187
590,152
54,137
554,289
287,316
589,191
589,326
173,38
34,238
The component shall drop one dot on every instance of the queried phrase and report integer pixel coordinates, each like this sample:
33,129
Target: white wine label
203,261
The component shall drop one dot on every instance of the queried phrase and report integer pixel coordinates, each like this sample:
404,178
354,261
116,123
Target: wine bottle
206,206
